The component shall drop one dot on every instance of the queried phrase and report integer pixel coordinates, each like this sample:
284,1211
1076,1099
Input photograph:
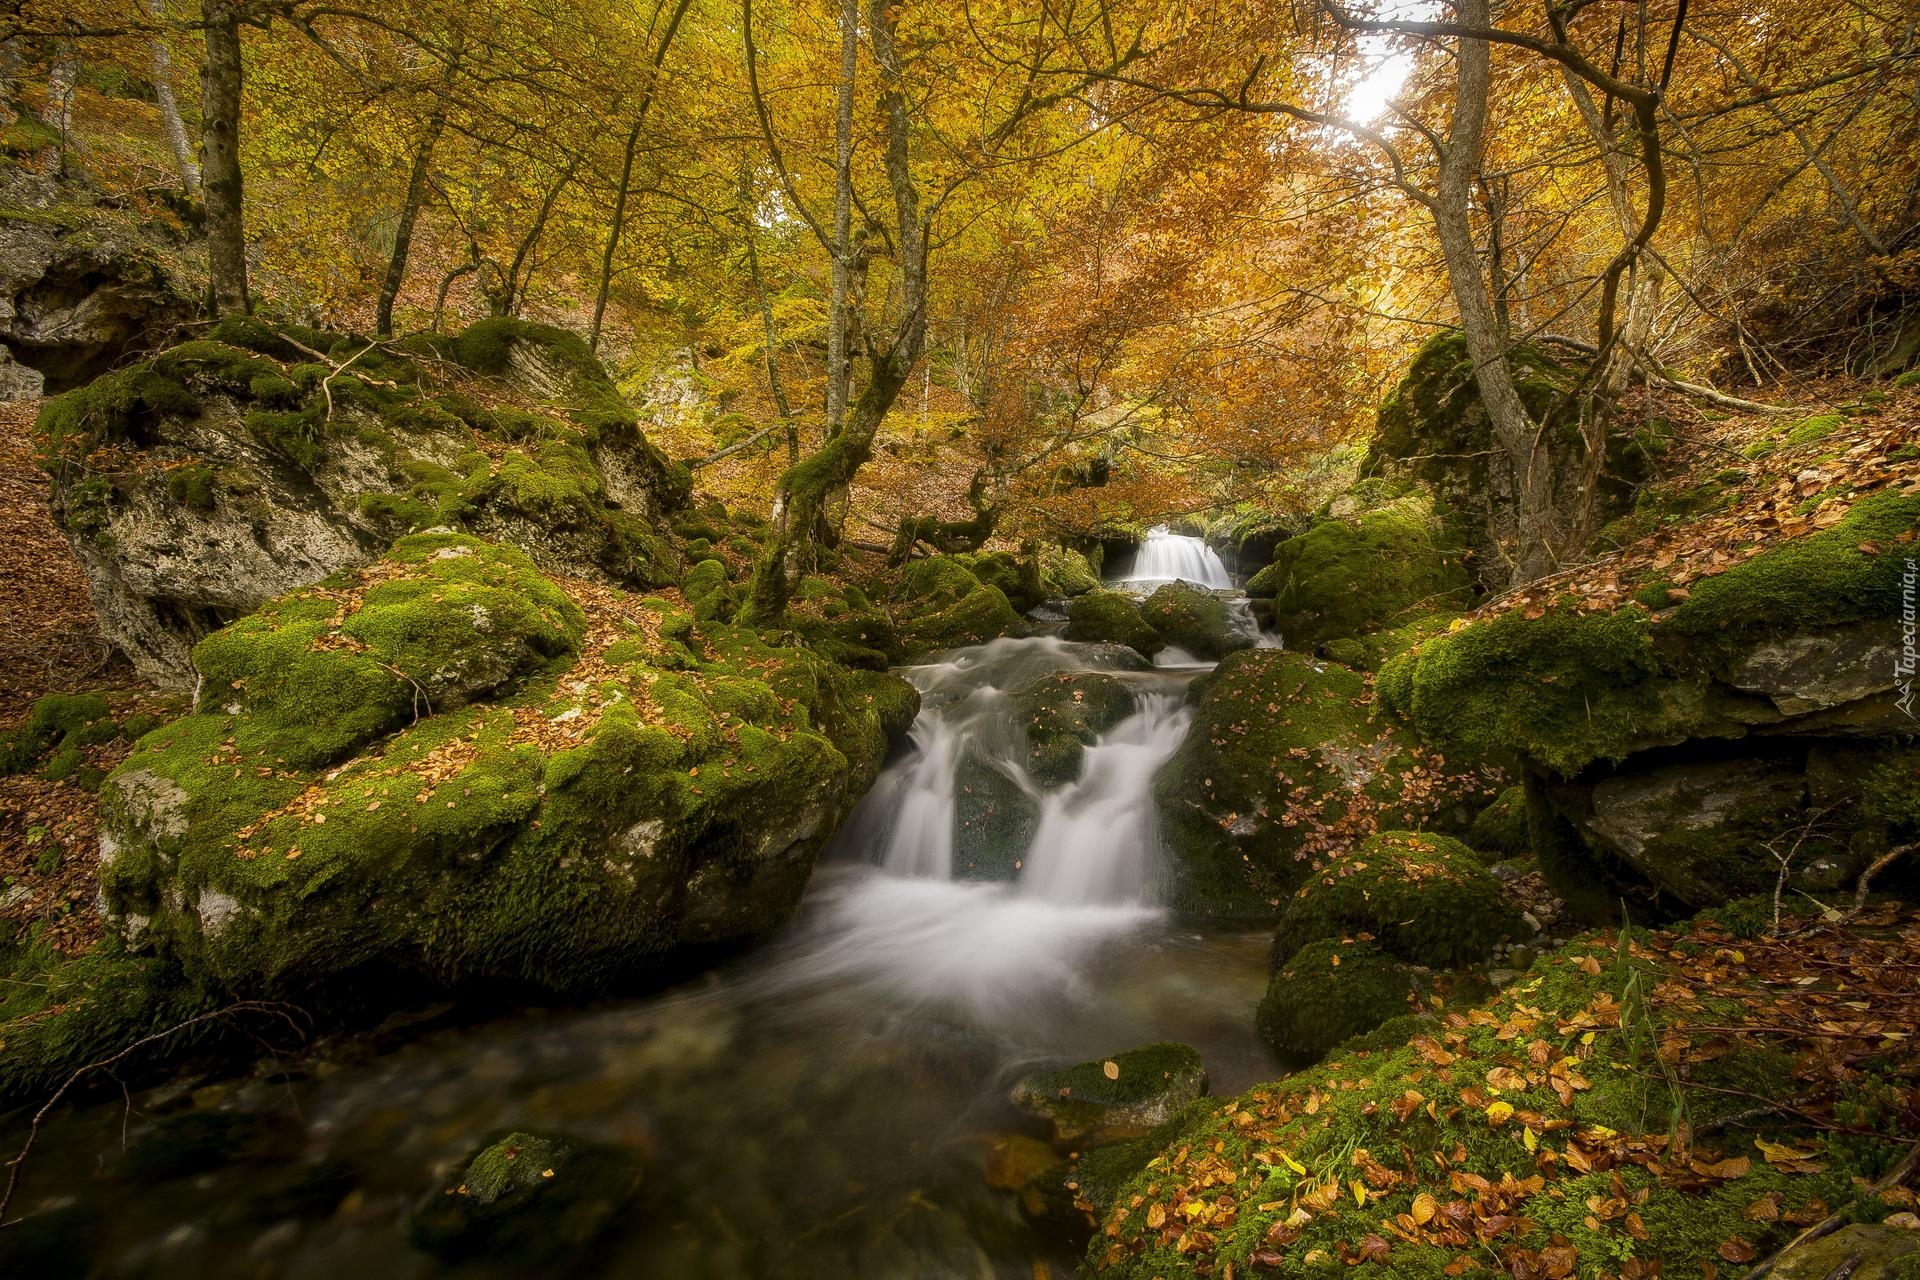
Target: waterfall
1167,556
1095,841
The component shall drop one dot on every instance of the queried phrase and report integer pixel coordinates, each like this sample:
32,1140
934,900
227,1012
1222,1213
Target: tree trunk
1536,533
170,121
417,181
60,84
220,87
839,309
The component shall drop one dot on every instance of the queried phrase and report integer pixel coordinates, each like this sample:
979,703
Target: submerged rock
526,1197
1126,1096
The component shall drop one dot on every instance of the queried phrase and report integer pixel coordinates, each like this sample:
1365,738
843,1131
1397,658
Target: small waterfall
1096,840
1166,556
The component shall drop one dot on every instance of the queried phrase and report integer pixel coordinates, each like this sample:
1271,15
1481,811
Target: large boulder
995,816
437,763
1329,991
1344,579
224,472
1195,620
1112,617
1285,765
1688,748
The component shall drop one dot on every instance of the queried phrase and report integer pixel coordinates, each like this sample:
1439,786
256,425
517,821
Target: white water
1167,557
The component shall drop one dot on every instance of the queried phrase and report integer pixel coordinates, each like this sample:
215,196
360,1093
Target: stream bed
823,1107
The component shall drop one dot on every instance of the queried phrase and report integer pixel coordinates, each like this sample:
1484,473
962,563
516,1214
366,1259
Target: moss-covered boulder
527,1197
368,785
1344,579
1284,765
1112,617
1125,1096
224,472
1678,743
1423,897
1065,573
1064,714
1328,991
1194,620
841,623
981,615
56,734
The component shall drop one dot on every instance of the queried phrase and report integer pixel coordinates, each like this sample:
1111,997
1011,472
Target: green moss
527,1197
111,409
1345,580
1196,621
60,725
1423,897
1063,715
1143,1073
1810,430
192,487
982,615
1110,617
938,583
1329,991
26,136
1500,830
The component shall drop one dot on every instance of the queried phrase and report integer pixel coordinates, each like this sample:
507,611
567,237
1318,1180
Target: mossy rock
982,615
1112,617
1194,620
1126,1096
1065,573
1285,762
1063,715
56,734
527,1197
1423,897
1327,992
1018,577
994,820
939,582
707,589
560,832
1500,830
1344,580
1566,688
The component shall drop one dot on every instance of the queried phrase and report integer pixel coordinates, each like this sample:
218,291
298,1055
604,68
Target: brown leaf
1734,1249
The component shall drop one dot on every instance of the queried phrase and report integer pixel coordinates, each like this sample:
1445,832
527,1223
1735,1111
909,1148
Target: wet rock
1195,620
1112,617
1063,715
527,1197
995,818
1126,1096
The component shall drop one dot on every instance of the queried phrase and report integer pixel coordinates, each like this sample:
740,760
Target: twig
1833,1222
1864,885
283,1011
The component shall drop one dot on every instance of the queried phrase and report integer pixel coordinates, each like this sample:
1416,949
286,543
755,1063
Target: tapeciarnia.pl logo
1904,664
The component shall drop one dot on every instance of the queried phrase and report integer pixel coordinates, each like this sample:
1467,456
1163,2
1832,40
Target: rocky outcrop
227,471
1752,724
440,764
81,284
1285,765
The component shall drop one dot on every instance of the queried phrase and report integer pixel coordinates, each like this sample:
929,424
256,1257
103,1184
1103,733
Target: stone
1876,1252
1126,1096
527,1197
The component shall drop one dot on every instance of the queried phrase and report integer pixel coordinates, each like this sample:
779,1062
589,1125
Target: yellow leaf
1498,1113
1423,1209
1157,1216
1529,1138
1110,1069
1359,1192
1293,1164
1780,1153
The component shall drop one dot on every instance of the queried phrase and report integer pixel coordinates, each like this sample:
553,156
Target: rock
1862,1251
1064,714
1500,830
410,767
982,615
81,285
1423,897
995,819
526,1197
1819,670
1328,991
1284,763
1344,579
241,477
1195,620
1126,1096
1113,618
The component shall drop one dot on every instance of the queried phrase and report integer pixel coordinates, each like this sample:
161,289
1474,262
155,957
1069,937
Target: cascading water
1168,557
824,1106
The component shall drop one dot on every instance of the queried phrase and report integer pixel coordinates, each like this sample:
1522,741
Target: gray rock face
80,287
1819,671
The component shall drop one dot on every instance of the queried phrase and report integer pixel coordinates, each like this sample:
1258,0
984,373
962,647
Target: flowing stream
823,1107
